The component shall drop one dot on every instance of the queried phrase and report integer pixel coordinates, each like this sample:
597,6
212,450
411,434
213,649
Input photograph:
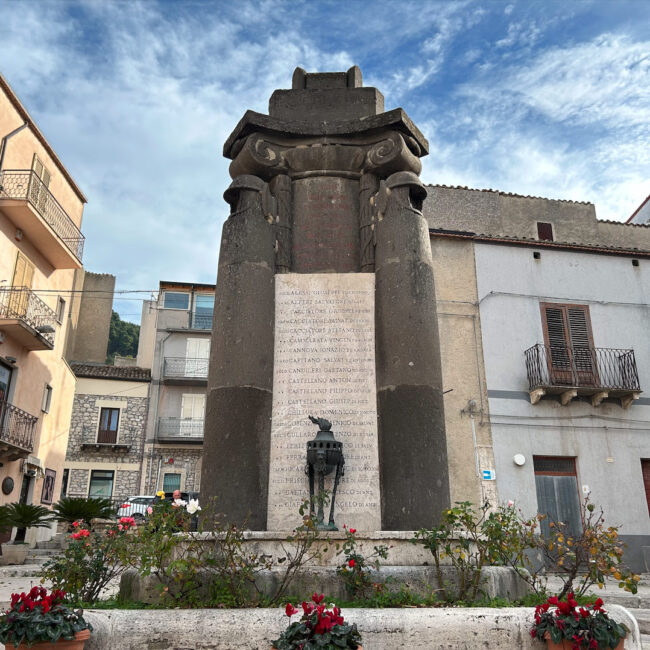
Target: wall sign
488,474
7,485
47,496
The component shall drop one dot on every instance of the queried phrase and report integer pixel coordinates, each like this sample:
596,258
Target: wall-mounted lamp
519,460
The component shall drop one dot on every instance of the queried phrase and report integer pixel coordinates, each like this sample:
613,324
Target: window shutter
555,327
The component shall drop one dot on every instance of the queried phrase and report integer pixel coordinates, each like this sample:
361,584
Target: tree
122,338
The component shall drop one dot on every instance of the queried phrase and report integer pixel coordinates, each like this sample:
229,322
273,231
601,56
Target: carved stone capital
244,194
390,155
259,156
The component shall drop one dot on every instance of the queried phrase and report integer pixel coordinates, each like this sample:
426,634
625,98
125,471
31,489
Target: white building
566,351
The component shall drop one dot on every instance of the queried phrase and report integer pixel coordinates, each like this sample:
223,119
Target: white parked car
135,507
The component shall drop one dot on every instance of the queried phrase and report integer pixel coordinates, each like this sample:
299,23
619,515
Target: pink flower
511,503
149,510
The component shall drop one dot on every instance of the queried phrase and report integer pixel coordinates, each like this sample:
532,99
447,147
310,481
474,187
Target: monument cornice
254,122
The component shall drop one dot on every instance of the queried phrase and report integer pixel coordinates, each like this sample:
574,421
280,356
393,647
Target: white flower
180,503
193,506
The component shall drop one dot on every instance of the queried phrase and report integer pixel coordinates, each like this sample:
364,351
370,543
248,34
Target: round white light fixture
519,459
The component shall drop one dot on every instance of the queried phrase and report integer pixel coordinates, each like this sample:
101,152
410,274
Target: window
197,354
47,495
556,485
176,300
5,380
60,310
570,348
544,231
192,415
109,419
171,482
101,484
203,308
47,399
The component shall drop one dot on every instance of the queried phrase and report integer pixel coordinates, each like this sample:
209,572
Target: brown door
645,468
22,281
108,422
571,356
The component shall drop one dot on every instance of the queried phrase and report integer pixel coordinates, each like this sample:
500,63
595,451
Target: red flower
533,633
318,599
307,608
351,564
353,530
290,610
584,612
598,604
125,505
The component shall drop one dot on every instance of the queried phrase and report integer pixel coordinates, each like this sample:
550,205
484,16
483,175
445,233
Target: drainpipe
3,142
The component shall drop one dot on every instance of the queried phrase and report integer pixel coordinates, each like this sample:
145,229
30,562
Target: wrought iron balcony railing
585,370
201,321
177,428
22,304
24,184
17,427
184,368
91,437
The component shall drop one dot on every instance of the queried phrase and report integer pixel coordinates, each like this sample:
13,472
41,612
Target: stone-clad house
107,431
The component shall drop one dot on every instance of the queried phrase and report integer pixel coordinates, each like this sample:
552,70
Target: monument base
422,581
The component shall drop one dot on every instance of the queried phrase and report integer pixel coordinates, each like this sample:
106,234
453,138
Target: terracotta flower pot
77,643
567,645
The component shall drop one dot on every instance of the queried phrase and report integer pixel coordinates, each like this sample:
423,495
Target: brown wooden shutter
571,354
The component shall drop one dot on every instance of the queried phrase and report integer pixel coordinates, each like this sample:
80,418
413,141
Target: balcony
32,208
571,371
180,430
182,371
27,319
16,432
91,439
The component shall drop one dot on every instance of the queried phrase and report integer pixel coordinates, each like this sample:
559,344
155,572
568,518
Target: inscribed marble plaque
324,365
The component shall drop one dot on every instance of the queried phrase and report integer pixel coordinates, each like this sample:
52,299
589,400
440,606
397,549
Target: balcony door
196,357
192,415
570,349
39,190
23,278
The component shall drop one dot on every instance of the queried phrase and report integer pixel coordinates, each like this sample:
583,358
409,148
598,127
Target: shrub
91,561
71,509
356,570
27,515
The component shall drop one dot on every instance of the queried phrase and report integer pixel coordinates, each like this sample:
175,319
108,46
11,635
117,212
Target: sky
542,98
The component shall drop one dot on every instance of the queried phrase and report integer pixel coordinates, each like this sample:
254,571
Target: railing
91,436
201,321
180,428
23,304
17,426
605,368
25,184
184,368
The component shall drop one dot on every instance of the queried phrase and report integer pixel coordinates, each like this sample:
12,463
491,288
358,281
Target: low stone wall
381,629
419,580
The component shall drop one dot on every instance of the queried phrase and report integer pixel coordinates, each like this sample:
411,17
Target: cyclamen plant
37,616
319,627
583,627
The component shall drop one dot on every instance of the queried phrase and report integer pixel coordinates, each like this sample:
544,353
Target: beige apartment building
41,248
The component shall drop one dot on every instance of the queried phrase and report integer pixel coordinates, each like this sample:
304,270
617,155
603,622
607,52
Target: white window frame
183,293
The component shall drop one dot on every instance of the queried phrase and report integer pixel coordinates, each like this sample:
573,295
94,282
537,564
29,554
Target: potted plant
318,627
566,625
38,620
22,516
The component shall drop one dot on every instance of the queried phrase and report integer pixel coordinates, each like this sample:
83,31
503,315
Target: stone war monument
325,306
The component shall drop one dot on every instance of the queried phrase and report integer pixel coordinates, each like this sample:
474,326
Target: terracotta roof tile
521,196
99,371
